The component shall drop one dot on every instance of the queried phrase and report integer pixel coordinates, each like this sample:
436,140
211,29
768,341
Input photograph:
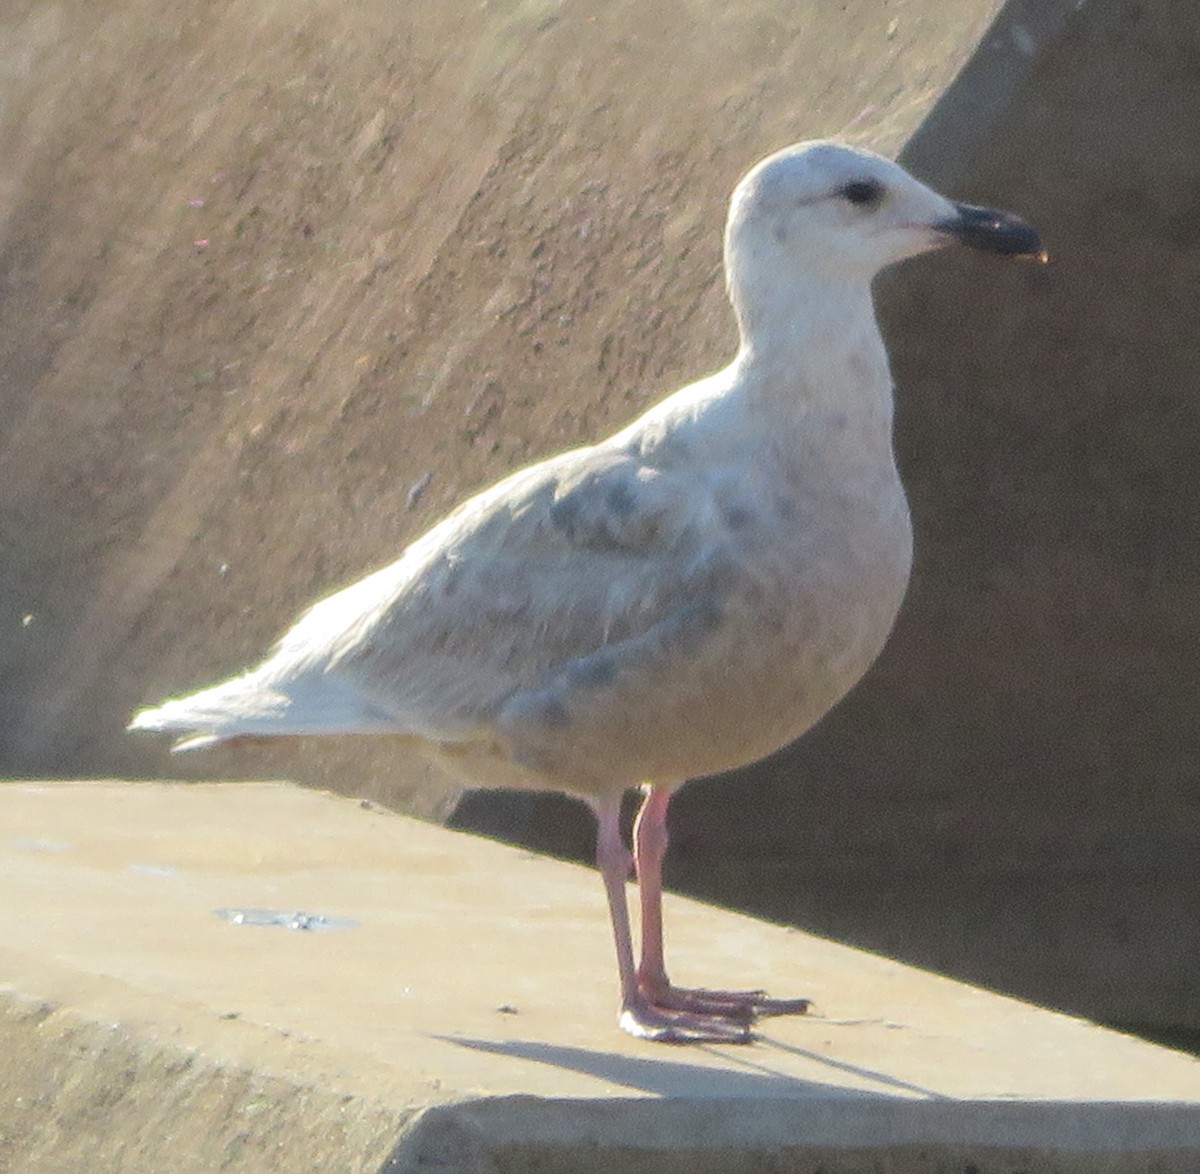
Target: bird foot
741,1006
663,1025
670,1014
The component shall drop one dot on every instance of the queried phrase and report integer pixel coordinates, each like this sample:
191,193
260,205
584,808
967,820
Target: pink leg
649,850
639,1015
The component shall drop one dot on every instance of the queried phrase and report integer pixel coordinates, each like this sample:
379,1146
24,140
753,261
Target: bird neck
811,343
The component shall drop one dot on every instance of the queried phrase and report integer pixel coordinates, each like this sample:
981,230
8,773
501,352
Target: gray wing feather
542,572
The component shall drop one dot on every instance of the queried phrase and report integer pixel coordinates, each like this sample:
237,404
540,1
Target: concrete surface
465,1020
279,284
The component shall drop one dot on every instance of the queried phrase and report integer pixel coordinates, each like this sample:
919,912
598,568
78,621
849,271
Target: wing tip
196,742
146,719
156,721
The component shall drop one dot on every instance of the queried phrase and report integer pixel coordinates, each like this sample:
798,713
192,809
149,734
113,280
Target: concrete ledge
80,1094
519,1134
463,1020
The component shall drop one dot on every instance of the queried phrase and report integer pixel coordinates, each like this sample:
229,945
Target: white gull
682,598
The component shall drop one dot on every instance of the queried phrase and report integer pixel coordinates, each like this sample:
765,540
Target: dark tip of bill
993,231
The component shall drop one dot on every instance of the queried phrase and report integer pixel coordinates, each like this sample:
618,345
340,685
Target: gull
679,599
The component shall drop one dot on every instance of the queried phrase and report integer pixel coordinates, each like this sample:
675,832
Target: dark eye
863,192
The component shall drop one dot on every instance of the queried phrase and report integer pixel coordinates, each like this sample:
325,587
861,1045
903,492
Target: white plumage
679,599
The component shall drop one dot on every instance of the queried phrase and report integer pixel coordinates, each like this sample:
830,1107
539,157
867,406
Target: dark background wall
278,289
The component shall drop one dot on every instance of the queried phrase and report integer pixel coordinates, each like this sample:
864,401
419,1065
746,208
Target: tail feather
235,707
250,705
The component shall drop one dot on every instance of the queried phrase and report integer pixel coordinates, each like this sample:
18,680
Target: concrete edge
889,1135
79,1093
90,1093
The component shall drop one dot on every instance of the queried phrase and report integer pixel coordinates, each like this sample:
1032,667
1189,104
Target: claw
678,1015
742,1006
681,1027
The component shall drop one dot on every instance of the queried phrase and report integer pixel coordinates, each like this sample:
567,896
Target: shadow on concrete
883,1078
671,1078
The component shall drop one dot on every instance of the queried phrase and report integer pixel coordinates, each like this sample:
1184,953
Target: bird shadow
884,1079
741,1077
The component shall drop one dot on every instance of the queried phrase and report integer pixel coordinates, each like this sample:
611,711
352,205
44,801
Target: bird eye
863,192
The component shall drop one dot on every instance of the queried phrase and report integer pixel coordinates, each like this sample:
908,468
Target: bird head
843,213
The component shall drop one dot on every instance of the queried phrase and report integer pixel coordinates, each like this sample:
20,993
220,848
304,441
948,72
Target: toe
678,1027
